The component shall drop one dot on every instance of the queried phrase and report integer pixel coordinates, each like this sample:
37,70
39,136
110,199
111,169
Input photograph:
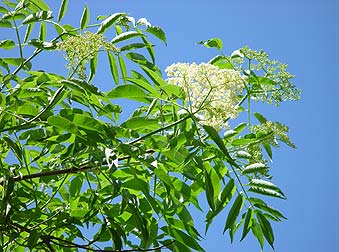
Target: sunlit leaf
62,9
214,42
7,44
113,67
84,18
108,22
234,212
158,32
266,229
41,15
126,35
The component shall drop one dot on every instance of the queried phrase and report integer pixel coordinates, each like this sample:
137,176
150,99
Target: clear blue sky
305,35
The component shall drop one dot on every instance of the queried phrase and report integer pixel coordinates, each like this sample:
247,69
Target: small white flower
211,93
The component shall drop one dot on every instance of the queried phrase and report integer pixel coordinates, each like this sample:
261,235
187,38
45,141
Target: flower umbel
82,48
211,93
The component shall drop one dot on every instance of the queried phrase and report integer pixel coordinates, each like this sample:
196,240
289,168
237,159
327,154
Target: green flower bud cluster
273,132
81,49
283,89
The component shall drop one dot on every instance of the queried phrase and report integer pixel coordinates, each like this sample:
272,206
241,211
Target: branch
48,239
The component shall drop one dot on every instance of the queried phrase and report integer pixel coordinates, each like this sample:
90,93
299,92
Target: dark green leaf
62,9
268,150
113,67
214,42
247,223
257,232
108,22
14,147
158,32
234,212
209,190
133,46
84,18
7,44
93,66
186,239
63,123
150,49
75,186
266,229
266,185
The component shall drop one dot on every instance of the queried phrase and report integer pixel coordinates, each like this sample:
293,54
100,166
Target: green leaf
257,232
62,9
108,22
266,229
143,84
123,68
158,32
268,192
259,183
133,46
14,147
34,17
113,67
268,149
88,122
186,239
149,49
33,238
42,33
242,141
221,62
7,44
126,35
260,117
84,18
63,123
75,186
263,206
137,123
253,168
28,31
40,4
247,223
209,190
5,23
17,62
234,212
128,91
42,44
93,66
214,42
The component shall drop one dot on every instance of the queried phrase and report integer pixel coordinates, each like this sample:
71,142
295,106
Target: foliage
76,175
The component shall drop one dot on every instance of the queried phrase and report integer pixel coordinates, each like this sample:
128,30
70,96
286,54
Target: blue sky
303,34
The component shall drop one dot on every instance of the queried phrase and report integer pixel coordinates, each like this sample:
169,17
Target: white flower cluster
211,93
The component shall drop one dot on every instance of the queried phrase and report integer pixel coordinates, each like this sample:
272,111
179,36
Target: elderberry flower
212,94
82,48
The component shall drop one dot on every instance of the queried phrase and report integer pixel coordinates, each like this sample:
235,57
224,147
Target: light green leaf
123,68
87,122
7,44
186,239
62,123
62,9
221,62
265,184
138,123
42,44
34,17
5,23
28,31
133,46
260,117
42,33
113,67
213,42
234,212
75,186
84,18
40,4
108,22
253,168
17,62
128,91
150,49
268,192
